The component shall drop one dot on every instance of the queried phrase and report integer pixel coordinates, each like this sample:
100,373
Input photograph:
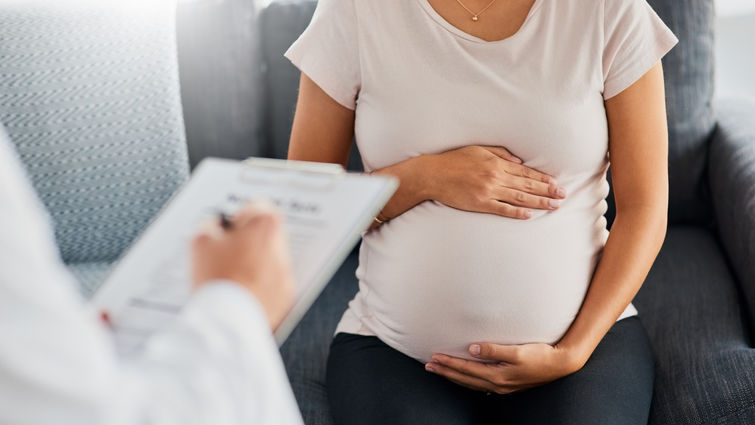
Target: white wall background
730,7
735,48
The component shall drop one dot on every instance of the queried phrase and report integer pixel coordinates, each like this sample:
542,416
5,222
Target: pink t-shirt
436,279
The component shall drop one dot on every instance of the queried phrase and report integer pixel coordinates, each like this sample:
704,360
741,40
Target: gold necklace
475,16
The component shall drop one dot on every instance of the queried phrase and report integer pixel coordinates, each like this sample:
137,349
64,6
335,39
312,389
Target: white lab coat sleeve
56,362
217,364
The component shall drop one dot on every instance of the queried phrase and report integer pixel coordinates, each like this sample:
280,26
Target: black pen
225,220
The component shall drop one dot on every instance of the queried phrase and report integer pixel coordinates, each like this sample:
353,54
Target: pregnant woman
490,291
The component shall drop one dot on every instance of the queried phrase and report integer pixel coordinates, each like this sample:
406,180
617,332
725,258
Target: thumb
503,153
499,353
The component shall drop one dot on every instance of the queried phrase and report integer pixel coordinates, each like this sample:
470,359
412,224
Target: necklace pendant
475,18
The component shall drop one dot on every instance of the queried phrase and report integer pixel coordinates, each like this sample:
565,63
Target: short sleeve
328,51
635,39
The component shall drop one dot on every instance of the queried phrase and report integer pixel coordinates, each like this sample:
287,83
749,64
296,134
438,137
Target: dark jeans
371,383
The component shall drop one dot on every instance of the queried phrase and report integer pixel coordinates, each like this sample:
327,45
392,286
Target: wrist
573,356
422,173
233,303
416,184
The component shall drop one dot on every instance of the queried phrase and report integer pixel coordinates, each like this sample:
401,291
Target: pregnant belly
437,279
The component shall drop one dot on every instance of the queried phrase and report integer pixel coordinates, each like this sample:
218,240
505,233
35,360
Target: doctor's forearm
216,363
636,238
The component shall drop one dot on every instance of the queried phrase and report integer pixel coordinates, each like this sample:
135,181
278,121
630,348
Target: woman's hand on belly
507,368
491,180
480,179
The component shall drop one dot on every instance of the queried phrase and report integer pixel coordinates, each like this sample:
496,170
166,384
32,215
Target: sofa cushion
306,351
705,363
90,275
732,182
220,69
89,95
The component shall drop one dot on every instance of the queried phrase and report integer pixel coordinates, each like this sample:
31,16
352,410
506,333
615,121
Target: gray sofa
93,106
89,95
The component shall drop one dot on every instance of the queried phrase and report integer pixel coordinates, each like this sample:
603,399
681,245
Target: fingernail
554,203
528,214
474,350
561,192
517,160
429,368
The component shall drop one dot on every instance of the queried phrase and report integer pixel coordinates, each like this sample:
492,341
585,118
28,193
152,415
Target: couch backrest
689,91
281,23
689,71
220,70
89,95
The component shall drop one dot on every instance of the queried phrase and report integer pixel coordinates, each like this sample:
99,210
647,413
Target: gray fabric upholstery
689,94
90,275
732,181
220,71
89,95
705,363
281,24
306,350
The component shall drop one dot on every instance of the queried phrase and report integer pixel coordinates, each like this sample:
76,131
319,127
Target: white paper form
324,215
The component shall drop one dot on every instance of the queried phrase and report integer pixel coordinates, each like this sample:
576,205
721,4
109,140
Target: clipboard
325,211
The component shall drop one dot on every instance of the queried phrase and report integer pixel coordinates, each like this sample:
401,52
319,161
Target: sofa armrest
732,183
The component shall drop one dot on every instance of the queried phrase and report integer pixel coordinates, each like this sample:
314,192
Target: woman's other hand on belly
506,368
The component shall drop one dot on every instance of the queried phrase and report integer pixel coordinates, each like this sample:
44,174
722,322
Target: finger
253,210
262,223
460,378
467,367
530,173
506,210
500,353
535,187
465,385
524,199
208,230
503,153
523,387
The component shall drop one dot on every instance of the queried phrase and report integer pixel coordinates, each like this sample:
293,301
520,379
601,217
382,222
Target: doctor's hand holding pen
248,248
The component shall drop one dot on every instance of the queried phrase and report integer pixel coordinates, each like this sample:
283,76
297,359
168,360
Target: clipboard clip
305,166
325,174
